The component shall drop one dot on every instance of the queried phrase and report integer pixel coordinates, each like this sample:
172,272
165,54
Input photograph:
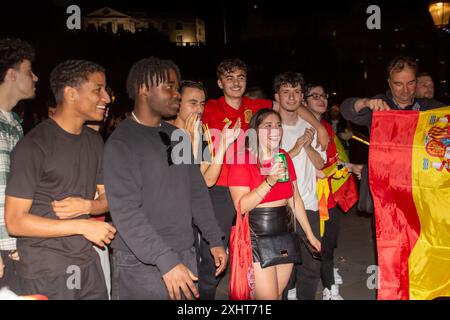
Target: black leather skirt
267,222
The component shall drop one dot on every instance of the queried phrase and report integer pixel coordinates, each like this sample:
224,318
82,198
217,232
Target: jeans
329,243
134,280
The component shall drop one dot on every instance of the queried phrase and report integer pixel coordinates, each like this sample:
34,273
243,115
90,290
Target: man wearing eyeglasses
402,80
153,200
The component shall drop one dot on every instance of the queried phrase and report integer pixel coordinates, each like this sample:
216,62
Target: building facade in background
183,31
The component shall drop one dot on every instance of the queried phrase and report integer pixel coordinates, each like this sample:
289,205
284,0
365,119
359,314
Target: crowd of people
148,214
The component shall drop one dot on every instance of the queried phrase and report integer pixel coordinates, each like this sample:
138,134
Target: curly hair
71,73
228,65
12,52
149,72
289,77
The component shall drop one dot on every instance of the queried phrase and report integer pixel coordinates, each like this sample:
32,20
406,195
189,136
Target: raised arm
248,200
211,171
305,142
359,110
322,135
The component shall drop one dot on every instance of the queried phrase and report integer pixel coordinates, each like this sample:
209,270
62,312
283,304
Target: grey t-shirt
51,164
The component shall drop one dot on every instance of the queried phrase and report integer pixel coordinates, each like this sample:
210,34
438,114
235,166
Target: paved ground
355,253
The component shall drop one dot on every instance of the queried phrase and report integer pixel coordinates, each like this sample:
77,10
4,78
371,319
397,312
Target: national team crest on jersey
248,115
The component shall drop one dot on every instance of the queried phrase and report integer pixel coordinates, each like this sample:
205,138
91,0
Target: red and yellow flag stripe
410,185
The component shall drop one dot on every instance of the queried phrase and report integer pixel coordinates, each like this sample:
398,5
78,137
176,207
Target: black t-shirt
51,164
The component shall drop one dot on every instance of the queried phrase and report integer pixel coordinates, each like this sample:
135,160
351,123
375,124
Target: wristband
271,186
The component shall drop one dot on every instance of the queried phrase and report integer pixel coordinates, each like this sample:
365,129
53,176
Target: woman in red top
255,188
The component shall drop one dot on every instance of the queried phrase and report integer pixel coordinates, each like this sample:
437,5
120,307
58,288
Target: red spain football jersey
217,113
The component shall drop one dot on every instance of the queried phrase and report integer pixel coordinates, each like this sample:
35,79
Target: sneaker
337,277
292,294
326,294
332,294
335,293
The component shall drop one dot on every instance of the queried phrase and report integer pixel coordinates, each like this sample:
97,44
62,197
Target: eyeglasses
317,96
165,139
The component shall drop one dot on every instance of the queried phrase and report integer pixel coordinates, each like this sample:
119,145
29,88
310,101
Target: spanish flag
342,186
409,173
339,185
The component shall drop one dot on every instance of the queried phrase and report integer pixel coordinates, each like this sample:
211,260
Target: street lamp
440,12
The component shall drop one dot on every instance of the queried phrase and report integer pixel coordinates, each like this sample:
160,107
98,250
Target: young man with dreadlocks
153,201
56,169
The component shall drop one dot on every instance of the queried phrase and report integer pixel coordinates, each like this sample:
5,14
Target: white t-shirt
304,168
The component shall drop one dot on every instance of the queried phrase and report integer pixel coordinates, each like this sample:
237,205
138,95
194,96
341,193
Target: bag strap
239,215
293,205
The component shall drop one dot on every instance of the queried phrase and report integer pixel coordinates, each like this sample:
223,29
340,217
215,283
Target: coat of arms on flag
410,182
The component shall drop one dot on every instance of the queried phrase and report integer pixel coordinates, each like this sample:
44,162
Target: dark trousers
329,243
10,277
224,212
85,282
133,280
306,276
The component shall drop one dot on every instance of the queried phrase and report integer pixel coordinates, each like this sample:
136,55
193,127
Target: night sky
327,41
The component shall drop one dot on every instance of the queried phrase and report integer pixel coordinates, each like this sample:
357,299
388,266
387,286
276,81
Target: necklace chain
137,120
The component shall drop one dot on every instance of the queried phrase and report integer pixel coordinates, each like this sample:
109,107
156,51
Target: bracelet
256,190
267,181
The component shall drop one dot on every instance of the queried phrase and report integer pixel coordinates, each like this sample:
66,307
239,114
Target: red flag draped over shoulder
343,185
409,175
345,191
